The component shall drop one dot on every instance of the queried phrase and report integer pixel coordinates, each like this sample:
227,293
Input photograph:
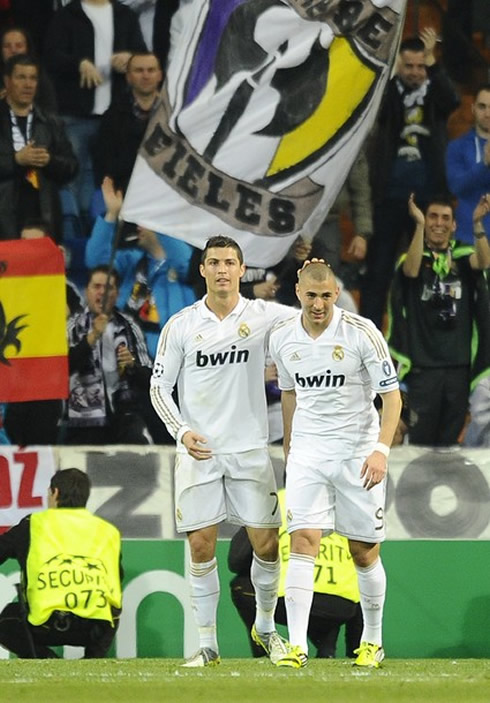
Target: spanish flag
33,341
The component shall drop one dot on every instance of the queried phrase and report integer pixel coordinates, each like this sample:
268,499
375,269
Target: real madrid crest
243,330
338,353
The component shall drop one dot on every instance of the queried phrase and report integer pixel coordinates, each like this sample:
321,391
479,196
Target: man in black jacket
408,156
87,49
36,158
124,124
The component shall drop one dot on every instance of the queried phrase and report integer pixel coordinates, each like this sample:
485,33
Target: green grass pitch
243,681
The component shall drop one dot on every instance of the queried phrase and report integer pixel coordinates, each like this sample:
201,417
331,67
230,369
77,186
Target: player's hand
374,470
193,443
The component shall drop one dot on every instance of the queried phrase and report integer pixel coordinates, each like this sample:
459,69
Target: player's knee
266,544
305,542
202,548
364,554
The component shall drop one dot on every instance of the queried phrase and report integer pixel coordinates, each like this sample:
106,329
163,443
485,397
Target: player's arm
168,365
392,406
288,405
375,467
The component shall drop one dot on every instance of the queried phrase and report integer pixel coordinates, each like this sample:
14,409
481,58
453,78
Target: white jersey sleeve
375,355
166,369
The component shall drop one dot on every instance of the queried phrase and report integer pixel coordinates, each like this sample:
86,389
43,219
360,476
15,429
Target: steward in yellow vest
336,593
71,575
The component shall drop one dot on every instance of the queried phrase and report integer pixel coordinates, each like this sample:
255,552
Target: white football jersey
218,366
336,378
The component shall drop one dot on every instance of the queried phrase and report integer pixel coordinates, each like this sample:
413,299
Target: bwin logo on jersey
326,380
220,358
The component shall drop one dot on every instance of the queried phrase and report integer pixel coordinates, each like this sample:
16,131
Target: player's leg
299,592
360,518
265,573
309,510
372,588
205,590
251,500
199,507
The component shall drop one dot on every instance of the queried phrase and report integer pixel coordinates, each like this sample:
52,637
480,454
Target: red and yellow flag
33,342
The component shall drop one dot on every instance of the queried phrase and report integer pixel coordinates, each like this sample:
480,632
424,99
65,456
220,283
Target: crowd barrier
436,555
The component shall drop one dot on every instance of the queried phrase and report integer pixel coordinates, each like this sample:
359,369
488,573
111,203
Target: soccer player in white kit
215,351
331,364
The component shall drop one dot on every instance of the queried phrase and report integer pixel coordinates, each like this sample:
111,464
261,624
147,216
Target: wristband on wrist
383,448
479,233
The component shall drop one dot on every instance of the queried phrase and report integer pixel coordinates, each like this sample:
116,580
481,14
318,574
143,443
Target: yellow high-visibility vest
334,573
72,565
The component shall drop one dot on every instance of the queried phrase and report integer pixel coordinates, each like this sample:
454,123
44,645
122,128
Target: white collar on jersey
207,313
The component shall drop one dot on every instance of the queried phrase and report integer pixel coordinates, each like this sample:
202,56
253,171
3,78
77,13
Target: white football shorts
240,488
329,495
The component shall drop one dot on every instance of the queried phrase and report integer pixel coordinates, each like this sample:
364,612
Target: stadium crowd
80,82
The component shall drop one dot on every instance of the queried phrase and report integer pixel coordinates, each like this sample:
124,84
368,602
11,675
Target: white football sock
298,597
372,587
204,585
265,579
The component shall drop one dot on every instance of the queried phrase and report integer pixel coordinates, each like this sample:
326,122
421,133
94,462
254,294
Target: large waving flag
265,107
33,341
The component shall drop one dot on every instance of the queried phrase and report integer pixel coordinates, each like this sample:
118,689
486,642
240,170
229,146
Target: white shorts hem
200,525
358,538
235,520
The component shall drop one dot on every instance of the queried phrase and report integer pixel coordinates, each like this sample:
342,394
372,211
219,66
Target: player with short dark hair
215,352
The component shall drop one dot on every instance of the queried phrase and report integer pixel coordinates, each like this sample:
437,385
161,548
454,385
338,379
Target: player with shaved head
331,365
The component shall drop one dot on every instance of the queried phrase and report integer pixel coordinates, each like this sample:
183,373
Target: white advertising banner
431,494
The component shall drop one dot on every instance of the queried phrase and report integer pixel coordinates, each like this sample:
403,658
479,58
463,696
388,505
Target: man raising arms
331,364
215,352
